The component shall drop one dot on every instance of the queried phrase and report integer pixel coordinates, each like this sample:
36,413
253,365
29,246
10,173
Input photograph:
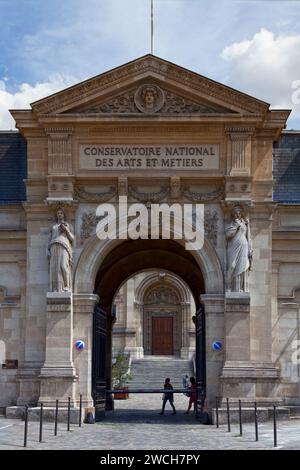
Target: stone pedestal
83,310
29,380
237,347
237,326
58,373
243,378
214,331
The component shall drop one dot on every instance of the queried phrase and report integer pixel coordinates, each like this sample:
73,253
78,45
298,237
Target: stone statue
60,254
239,252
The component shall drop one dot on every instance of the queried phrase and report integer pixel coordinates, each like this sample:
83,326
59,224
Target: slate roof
13,167
286,168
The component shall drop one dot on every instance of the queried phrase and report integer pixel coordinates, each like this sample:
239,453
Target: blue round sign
217,345
80,345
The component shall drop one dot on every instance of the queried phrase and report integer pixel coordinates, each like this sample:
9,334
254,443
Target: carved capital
67,205
239,133
229,205
59,132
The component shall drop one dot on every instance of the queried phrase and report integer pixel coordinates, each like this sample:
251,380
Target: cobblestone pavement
136,424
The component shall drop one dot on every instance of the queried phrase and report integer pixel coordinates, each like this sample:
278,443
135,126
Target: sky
250,45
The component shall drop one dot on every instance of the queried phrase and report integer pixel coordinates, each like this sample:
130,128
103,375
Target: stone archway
95,251
104,266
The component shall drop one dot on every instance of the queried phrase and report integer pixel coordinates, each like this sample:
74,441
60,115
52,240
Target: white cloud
27,94
266,67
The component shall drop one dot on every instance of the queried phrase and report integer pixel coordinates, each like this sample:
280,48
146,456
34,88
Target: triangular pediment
149,85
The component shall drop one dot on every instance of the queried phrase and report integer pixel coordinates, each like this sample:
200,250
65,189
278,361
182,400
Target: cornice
79,119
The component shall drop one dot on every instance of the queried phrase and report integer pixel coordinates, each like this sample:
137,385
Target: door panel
162,336
200,357
99,363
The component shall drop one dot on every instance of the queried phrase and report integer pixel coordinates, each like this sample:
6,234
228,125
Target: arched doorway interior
162,322
154,311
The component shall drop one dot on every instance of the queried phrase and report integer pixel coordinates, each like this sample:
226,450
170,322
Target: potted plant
120,375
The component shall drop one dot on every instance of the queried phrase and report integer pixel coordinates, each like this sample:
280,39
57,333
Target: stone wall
12,300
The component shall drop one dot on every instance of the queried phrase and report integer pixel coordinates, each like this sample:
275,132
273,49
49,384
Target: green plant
120,374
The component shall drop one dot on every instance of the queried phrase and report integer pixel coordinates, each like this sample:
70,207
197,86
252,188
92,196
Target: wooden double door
162,336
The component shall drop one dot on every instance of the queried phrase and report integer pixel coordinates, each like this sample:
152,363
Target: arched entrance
166,306
111,263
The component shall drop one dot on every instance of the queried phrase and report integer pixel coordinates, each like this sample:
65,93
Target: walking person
193,395
168,396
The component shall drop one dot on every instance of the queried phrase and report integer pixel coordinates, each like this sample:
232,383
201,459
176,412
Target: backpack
90,418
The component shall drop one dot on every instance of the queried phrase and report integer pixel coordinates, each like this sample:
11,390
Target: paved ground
136,424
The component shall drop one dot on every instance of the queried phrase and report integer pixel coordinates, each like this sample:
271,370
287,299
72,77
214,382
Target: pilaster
83,310
58,373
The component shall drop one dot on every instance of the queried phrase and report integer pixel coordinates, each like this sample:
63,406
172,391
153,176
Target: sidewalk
136,424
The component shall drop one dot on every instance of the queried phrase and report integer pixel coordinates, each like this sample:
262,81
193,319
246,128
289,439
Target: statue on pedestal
239,252
60,254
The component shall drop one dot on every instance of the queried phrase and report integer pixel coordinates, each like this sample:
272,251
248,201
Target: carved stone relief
211,220
104,196
89,222
149,197
202,197
150,99
161,295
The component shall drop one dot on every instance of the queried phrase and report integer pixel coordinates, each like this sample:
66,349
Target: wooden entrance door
162,336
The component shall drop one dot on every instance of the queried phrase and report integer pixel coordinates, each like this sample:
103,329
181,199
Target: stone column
131,323
139,309
214,331
186,352
260,282
83,310
58,374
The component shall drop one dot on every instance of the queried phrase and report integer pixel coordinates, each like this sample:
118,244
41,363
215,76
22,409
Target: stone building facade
155,133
